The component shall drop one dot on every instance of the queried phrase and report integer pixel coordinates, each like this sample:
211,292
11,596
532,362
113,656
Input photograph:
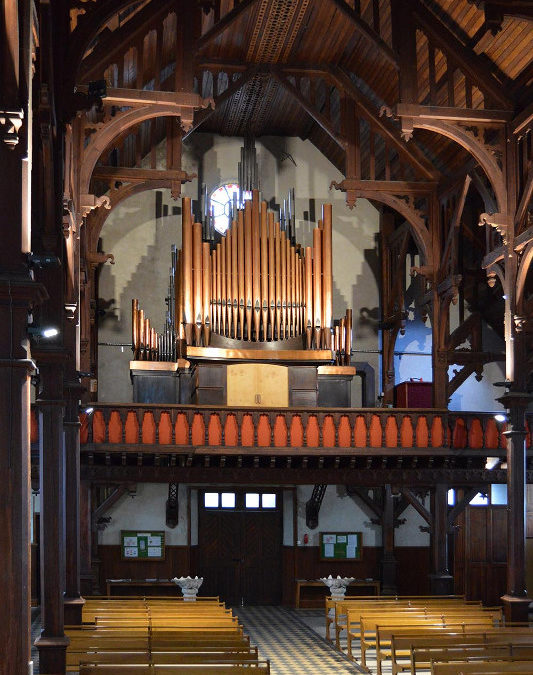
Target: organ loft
265,317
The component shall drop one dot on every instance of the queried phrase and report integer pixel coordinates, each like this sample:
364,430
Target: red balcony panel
437,432
391,432
165,429
313,432
460,436
264,432
328,432
181,430
115,427
132,427
375,432
247,431
422,432
148,428
231,431
406,432
475,435
214,431
297,432
345,432
280,432
98,427
84,429
528,435
198,430
360,432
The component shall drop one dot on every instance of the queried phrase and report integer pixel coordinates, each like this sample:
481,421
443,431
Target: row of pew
444,635
160,635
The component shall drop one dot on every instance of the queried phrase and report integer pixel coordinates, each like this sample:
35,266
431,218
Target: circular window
221,204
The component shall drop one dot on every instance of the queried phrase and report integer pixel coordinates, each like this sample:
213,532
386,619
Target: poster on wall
341,545
142,545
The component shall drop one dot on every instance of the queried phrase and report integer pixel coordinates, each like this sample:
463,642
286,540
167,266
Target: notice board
341,545
142,545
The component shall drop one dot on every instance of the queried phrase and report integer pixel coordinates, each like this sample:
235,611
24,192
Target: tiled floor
35,632
291,642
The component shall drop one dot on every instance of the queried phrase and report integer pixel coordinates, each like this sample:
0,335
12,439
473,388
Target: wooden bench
258,668
402,643
423,657
483,668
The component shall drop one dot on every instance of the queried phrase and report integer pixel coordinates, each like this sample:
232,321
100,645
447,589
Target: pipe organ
253,287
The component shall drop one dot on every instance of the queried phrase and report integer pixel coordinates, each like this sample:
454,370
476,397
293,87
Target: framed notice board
142,545
341,545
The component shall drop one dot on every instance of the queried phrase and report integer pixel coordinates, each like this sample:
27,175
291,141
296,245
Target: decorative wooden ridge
293,430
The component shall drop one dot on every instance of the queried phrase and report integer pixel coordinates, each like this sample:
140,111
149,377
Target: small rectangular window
211,500
228,500
479,500
498,494
268,501
252,500
451,497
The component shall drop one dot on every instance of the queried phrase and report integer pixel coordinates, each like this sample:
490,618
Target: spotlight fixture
500,417
88,411
38,332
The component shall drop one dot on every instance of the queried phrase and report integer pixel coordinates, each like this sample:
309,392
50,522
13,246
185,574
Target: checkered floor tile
292,645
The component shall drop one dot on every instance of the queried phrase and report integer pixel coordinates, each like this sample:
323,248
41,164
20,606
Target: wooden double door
239,554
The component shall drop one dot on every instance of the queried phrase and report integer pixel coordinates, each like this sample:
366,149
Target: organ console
252,288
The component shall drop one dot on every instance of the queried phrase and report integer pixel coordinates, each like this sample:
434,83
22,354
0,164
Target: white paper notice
130,541
341,539
329,539
154,551
329,550
350,551
352,540
154,541
131,552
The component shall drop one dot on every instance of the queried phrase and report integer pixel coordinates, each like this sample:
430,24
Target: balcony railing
177,426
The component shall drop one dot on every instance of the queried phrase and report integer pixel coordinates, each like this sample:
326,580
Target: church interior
266,316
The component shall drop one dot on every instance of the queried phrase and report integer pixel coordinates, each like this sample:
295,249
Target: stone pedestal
337,586
189,586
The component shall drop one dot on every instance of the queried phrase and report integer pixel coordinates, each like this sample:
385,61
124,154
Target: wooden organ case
249,318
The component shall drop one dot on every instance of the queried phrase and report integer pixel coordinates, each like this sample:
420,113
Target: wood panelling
176,563
481,553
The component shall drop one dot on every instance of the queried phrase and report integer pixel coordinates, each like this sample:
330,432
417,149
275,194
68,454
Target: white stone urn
189,586
337,586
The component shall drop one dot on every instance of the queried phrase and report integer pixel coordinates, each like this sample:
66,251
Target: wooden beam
109,48
224,23
358,492
415,503
523,121
456,511
366,31
120,96
108,503
203,115
137,175
453,114
394,186
456,219
384,127
525,199
469,62
322,122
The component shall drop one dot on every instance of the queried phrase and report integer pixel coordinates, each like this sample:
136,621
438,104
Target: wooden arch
107,134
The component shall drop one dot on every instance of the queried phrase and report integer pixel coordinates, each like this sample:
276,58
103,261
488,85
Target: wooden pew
258,668
403,642
423,657
482,668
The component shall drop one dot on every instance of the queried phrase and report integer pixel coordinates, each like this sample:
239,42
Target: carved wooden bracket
501,222
90,202
99,258
10,123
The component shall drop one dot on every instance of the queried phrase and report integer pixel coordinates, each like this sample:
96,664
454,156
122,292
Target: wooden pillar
73,600
515,601
86,575
440,579
52,643
389,563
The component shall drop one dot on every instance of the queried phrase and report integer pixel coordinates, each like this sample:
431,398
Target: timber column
52,643
515,601
440,580
389,563
73,600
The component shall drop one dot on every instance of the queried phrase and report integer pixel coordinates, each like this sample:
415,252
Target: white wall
146,511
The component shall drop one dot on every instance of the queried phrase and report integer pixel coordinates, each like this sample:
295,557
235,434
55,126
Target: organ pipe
253,283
